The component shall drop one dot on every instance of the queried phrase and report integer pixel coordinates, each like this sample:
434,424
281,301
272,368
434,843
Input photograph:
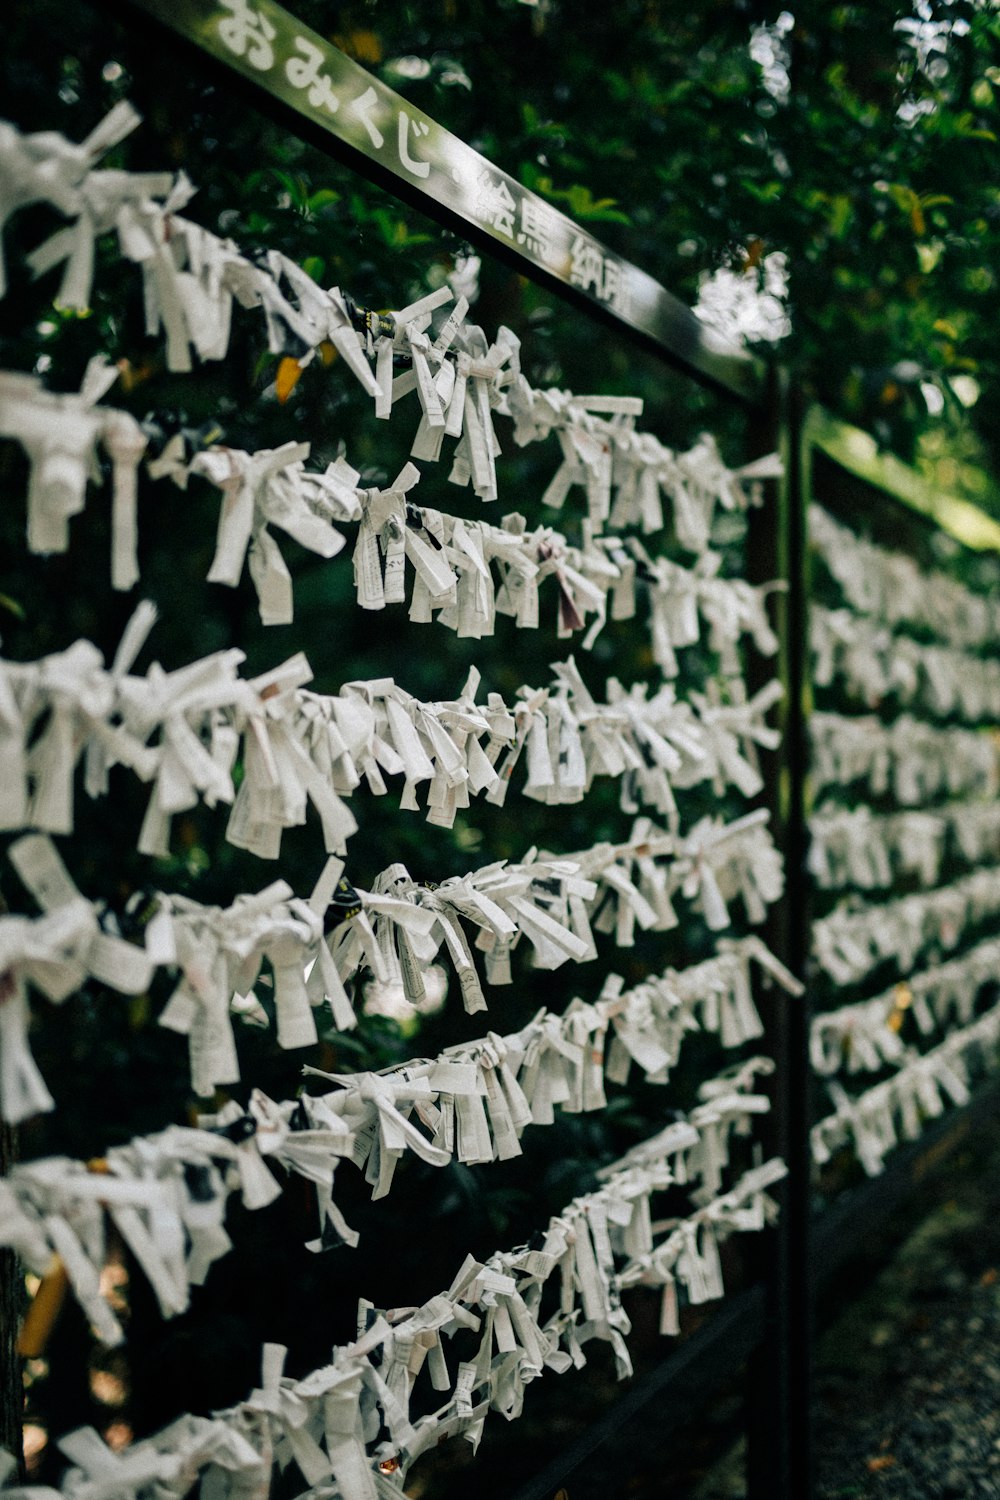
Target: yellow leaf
45,1308
753,254
132,375
327,352
287,378
363,46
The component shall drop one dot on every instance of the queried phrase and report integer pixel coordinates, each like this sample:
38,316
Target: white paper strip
908,760
850,943
47,168
893,588
864,1036
922,1088
60,435
874,663
856,847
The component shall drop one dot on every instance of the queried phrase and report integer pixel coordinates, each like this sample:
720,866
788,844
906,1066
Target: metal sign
386,137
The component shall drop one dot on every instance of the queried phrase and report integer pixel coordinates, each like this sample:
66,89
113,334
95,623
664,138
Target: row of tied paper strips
354,1426
465,572
935,792
184,732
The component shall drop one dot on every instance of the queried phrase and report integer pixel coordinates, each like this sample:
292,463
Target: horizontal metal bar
859,453
328,98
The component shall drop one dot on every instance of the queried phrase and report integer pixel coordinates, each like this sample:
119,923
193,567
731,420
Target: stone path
908,1375
908,1381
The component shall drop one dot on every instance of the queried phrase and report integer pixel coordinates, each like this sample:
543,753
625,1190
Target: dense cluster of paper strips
182,733
895,591
167,1193
865,1035
463,572
185,732
874,664
920,1089
852,846
394,931
936,795
907,760
386,1398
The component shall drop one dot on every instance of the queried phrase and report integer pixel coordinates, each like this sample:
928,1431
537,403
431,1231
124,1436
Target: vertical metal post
778,1403
11,1388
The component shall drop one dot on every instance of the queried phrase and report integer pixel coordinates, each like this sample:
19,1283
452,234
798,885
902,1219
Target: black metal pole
778,1398
11,1386
795,1260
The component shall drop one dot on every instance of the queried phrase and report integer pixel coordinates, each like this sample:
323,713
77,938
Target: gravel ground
908,1378
907,1381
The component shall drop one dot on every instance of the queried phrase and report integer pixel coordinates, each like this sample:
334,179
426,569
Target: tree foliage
872,164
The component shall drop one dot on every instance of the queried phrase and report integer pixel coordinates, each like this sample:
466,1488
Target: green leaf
322,198
582,204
